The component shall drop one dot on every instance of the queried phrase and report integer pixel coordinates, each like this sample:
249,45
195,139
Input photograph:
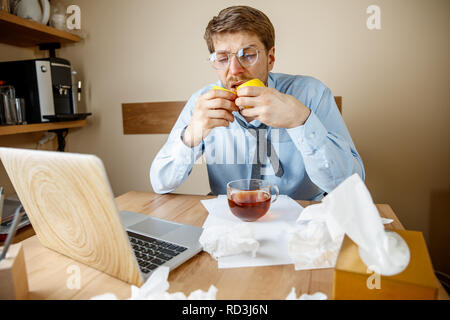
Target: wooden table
50,274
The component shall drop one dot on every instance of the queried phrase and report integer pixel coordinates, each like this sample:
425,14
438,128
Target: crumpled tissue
310,245
305,296
348,209
155,288
221,241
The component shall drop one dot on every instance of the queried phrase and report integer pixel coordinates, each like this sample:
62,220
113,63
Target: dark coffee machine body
45,84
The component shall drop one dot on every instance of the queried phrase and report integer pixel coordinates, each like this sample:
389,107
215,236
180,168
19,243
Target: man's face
236,74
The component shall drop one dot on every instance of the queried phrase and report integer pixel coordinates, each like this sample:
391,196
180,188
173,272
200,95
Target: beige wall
394,83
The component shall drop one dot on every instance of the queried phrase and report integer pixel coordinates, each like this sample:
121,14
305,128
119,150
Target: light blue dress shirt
316,157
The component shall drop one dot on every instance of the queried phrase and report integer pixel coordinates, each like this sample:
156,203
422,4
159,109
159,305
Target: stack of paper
271,231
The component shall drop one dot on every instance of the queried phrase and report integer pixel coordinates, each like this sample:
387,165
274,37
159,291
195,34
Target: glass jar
8,113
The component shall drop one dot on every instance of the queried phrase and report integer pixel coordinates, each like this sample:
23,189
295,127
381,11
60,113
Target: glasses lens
219,60
247,56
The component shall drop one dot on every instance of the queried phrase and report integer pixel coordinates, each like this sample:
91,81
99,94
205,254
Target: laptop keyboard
151,253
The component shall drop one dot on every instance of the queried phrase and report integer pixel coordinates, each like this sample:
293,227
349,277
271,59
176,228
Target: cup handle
277,193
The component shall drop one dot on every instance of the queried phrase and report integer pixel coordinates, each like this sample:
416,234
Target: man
289,132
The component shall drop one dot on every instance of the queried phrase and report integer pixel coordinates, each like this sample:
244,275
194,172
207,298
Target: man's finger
218,123
221,103
220,114
246,102
250,91
250,112
214,94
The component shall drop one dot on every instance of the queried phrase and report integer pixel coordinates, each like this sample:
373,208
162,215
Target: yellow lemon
251,83
220,88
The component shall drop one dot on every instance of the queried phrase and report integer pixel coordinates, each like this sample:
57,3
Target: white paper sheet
271,231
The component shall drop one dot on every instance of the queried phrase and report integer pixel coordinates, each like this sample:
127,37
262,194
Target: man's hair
241,18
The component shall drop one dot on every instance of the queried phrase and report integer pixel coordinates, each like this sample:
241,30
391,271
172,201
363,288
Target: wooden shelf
36,127
21,32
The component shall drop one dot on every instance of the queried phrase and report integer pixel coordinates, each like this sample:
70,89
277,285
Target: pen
17,217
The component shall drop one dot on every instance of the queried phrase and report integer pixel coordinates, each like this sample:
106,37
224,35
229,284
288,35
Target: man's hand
272,107
213,109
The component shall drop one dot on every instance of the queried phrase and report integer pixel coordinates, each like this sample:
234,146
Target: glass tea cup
250,199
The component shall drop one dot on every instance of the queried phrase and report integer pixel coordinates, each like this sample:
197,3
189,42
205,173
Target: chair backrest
338,100
159,117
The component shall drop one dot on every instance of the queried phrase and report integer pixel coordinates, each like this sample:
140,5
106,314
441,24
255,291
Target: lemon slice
220,88
251,83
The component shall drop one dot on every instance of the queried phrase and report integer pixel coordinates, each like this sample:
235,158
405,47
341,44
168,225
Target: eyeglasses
246,56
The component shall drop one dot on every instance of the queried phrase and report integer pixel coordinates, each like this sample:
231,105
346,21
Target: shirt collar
254,123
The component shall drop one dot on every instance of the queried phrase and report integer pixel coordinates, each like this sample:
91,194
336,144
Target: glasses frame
238,54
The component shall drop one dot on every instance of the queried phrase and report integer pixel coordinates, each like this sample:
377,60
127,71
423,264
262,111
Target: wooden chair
159,117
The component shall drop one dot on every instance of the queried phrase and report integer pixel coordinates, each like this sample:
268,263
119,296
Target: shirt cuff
310,136
185,154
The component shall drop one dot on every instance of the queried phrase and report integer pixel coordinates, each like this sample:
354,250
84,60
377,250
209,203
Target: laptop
70,204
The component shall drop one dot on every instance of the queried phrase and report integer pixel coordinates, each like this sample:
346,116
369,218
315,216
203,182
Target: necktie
262,150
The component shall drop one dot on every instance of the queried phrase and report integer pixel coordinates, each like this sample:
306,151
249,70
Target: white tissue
310,245
105,296
220,241
315,296
271,231
348,209
155,288
386,221
356,214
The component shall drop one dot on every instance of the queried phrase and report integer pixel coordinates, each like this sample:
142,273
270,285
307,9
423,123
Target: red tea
249,205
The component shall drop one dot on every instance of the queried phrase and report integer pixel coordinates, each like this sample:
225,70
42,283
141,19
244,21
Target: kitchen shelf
37,127
22,32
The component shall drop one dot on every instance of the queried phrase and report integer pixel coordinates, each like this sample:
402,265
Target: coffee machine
46,86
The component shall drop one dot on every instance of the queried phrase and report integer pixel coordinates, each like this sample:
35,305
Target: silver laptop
70,204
